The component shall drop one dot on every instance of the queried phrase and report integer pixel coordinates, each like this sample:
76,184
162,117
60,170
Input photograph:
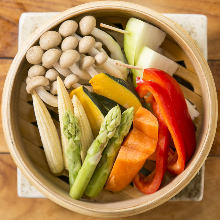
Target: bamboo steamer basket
23,138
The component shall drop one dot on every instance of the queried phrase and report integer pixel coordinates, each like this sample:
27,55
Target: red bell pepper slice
167,109
179,106
151,183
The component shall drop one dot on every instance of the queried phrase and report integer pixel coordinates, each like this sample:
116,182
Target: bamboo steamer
23,137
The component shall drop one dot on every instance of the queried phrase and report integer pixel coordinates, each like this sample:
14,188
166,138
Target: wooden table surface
12,207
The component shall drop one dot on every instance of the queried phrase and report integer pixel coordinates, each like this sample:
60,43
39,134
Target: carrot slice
136,148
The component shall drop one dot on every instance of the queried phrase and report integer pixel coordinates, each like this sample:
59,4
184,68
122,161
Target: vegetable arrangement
107,132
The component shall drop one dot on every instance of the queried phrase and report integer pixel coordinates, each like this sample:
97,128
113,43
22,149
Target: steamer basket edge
125,208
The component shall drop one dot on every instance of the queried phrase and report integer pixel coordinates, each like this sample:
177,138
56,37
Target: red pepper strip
179,105
170,155
167,110
151,183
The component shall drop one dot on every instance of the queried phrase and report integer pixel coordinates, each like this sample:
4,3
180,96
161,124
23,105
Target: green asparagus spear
71,131
107,130
105,165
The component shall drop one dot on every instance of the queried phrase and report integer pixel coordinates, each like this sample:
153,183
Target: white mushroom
86,44
70,80
50,59
47,97
101,58
87,26
68,28
63,71
98,45
69,57
109,66
50,39
69,42
35,82
86,63
69,60
28,80
53,89
34,55
40,85
51,74
36,70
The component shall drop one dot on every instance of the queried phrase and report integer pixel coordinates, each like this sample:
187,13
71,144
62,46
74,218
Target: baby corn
86,134
49,136
64,105
70,132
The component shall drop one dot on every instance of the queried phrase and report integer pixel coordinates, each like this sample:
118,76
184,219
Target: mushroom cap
86,44
100,58
51,74
35,82
53,89
86,62
50,57
68,58
36,70
69,42
98,45
70,80
68,28
28,80
50,39
34,55
87,24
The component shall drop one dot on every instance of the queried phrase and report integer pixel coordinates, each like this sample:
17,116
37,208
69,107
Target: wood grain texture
11,10
215,68
22,208
4,66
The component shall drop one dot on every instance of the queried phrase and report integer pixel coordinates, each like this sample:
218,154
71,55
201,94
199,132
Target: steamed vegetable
149,58
137,147
64,106
169,97
71,131
107,131
140,34
107,103
93,109
115,89
86,131
49,136
104,167
151,183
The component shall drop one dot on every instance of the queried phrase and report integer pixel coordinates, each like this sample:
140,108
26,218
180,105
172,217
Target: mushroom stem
92,72
46,96
86,64
63,71
110,43
77,71
114,28
108,66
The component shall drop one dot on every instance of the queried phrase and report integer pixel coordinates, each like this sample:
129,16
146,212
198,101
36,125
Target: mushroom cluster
73,57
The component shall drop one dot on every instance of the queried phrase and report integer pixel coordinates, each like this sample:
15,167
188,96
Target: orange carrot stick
137,147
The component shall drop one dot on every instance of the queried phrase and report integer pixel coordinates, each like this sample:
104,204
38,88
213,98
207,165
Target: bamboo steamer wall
23,137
